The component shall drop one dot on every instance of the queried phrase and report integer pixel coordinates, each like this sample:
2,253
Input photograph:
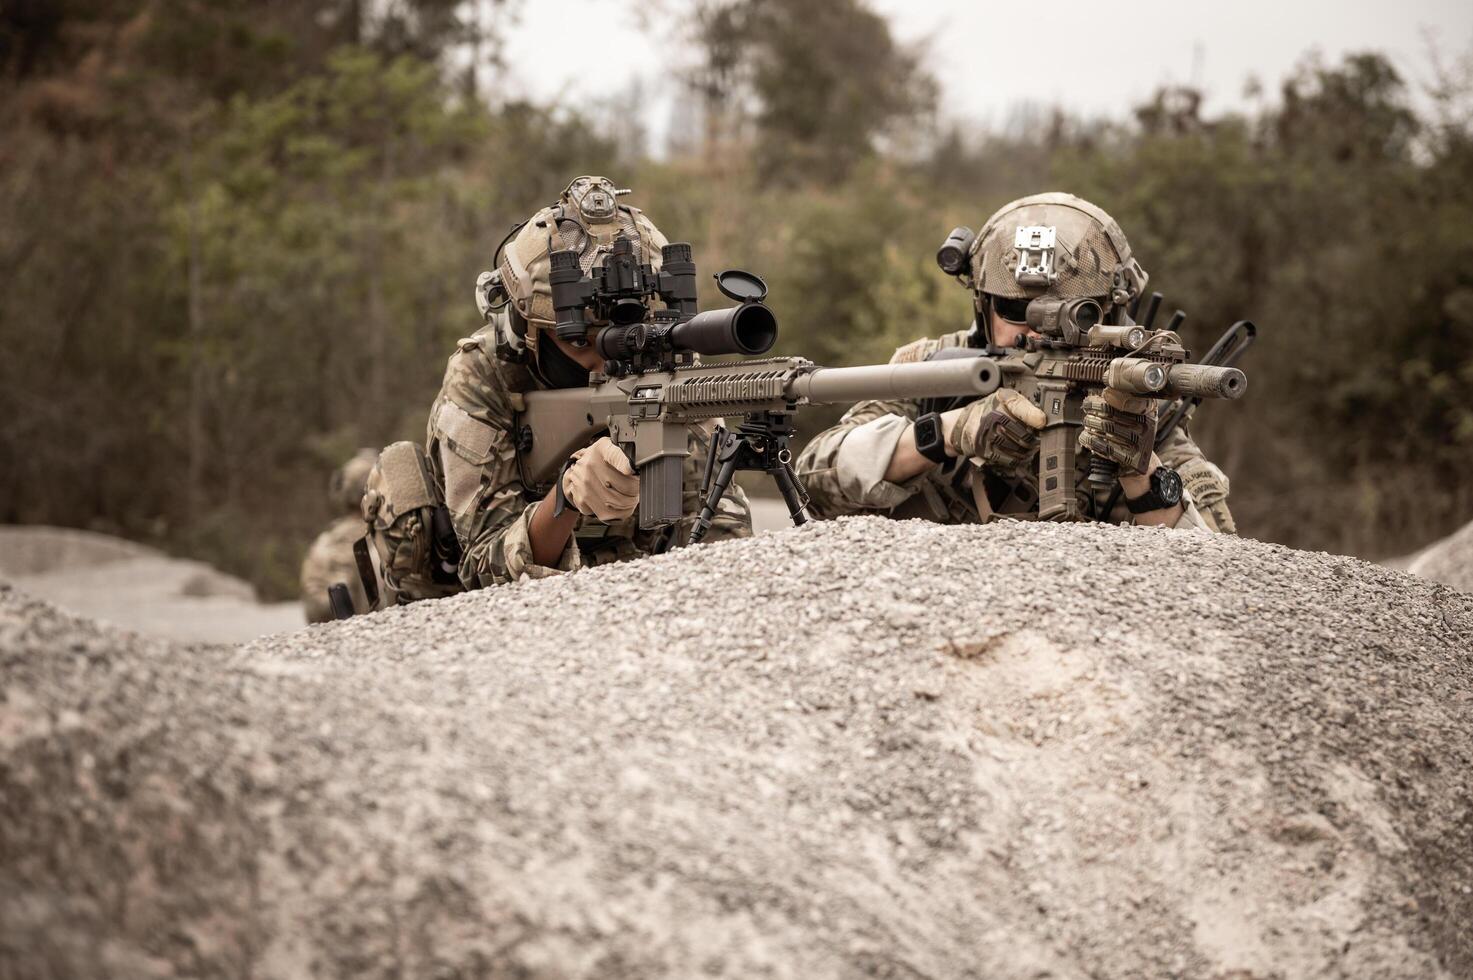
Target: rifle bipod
759,443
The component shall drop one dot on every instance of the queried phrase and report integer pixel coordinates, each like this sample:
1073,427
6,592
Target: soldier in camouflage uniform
330,558
507,529
985,465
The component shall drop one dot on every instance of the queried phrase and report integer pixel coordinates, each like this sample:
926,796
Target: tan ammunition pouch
409,525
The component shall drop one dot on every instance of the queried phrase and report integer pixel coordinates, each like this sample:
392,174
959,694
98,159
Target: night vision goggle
615,296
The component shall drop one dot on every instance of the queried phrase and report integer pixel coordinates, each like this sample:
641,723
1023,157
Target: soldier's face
585,356
1005,333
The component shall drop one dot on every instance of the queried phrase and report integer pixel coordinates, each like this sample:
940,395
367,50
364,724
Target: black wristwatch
931,438
1165,492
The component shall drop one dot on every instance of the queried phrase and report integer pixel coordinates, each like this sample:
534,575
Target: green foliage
205,324
858,278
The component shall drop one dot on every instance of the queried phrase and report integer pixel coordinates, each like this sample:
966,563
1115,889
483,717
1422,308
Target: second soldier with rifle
1080,429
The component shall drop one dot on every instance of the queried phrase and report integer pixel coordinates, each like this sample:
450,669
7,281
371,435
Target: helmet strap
982,325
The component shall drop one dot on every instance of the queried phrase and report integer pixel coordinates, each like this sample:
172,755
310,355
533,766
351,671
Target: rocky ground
138,588
858,748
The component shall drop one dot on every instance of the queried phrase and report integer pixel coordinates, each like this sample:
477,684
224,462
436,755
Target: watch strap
930,438
1147,501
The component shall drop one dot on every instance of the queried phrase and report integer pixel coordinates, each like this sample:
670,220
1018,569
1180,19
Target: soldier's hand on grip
601,483
1120,427
999,430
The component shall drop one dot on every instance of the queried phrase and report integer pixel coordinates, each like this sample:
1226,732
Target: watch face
929,438
1167,485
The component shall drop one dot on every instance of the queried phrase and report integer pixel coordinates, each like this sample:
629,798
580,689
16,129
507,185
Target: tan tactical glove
999,430
1120,427
601,483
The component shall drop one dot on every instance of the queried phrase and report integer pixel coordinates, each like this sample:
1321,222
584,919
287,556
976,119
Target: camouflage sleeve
843,467
470,446
1204,485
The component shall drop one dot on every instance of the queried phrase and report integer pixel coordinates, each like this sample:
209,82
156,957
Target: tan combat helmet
345,488
1056,245
586,219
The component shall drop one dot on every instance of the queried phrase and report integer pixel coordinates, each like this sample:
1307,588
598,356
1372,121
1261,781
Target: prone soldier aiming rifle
1054,288
1070,354
1075,359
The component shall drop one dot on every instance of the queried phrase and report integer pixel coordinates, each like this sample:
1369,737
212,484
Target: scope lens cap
744,287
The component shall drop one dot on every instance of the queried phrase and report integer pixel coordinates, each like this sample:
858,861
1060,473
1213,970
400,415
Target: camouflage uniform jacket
843,468
471,449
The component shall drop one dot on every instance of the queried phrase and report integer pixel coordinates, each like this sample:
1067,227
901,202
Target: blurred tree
824,80
205,214
858,277
227,48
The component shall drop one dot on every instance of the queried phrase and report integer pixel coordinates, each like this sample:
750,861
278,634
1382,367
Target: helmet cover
586,220
1056,245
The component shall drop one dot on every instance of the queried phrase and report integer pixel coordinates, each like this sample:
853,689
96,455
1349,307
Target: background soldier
330,558
506,530
981,462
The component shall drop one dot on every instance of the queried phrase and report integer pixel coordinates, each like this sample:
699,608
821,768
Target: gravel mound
857,748
1449,561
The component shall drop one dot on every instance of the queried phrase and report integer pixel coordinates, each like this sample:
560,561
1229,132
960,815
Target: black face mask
557,369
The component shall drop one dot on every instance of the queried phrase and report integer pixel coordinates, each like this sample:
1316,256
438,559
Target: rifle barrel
930,379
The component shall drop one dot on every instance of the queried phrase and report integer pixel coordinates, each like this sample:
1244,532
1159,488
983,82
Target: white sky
1092,58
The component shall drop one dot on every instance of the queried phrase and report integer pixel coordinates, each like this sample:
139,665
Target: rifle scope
1070,319
748,330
